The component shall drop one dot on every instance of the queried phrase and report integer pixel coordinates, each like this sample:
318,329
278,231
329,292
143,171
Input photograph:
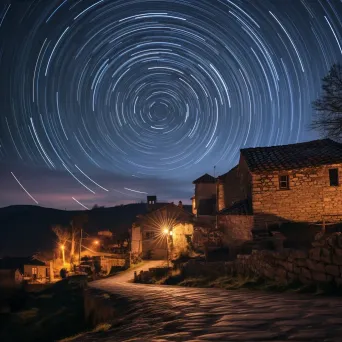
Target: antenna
214,171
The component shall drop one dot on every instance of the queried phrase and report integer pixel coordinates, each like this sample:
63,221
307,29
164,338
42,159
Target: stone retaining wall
321,264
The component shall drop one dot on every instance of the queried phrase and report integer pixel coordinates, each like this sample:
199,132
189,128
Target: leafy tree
328,106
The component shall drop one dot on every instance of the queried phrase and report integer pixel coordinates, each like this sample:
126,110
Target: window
333,177
34,270
284,182
150,235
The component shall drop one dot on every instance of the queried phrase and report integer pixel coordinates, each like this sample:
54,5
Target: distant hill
25,229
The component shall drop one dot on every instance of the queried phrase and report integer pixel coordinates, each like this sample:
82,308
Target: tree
329,106
62,233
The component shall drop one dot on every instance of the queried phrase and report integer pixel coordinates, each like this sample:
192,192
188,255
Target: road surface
170,313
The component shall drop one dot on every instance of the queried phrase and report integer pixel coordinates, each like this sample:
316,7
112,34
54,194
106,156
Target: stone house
166,230
207,235
297,183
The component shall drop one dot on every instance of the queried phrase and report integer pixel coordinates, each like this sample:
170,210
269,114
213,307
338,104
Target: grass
246,282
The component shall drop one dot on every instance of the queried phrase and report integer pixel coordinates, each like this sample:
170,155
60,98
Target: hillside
25,230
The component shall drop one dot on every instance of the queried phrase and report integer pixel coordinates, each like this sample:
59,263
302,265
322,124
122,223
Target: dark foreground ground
44,316
170,313
173,313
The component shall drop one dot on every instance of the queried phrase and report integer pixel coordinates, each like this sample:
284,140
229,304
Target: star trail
106,101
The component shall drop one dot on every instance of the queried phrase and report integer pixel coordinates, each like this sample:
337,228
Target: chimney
151,201
180,204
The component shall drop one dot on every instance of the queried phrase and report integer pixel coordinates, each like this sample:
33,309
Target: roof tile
293,156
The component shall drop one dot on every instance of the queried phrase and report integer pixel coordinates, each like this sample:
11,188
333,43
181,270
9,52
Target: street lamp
96,242
63,254
168,233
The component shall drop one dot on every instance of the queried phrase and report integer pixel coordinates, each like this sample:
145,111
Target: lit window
284,182
333,177
34,270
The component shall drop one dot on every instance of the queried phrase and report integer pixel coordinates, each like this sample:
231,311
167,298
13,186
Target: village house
165,231
207,235
270,186
18,269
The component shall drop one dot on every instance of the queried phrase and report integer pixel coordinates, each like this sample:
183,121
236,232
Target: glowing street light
63,254
167,232
96,242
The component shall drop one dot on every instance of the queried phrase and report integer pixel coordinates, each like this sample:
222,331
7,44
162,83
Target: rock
301,262
333,270
298,254
291,276
315,266
315,253
326,255
338,281
332,240
296,269
337,260
321,277
281,273
289,266
306,273
304,280
269,273
338,251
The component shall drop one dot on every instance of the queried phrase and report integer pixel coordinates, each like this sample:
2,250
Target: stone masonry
322,264
308,199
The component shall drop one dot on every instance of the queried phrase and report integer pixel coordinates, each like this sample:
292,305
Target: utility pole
79,252
167,249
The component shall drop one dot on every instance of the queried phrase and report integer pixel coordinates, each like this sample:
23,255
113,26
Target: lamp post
168,233
80,247
63,254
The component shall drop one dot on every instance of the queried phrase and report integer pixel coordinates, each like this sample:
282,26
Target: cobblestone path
170,313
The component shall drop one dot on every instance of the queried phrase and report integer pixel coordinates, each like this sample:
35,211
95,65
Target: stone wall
230,189
321,264
308,198
136,240
179,239
204,191
234,186
236,228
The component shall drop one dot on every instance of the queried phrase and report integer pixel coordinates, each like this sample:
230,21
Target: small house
165,231
30,269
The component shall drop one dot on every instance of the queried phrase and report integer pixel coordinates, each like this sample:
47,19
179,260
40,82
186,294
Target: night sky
104,101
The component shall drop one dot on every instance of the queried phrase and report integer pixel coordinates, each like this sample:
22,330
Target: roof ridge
293,156
310,142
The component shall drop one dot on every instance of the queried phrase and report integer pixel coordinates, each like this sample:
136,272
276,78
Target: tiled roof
206,178
238,208
222,177
294,156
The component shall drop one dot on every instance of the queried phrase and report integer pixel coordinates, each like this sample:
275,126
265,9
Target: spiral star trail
105,101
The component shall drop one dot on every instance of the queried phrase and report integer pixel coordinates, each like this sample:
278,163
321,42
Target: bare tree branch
329,106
